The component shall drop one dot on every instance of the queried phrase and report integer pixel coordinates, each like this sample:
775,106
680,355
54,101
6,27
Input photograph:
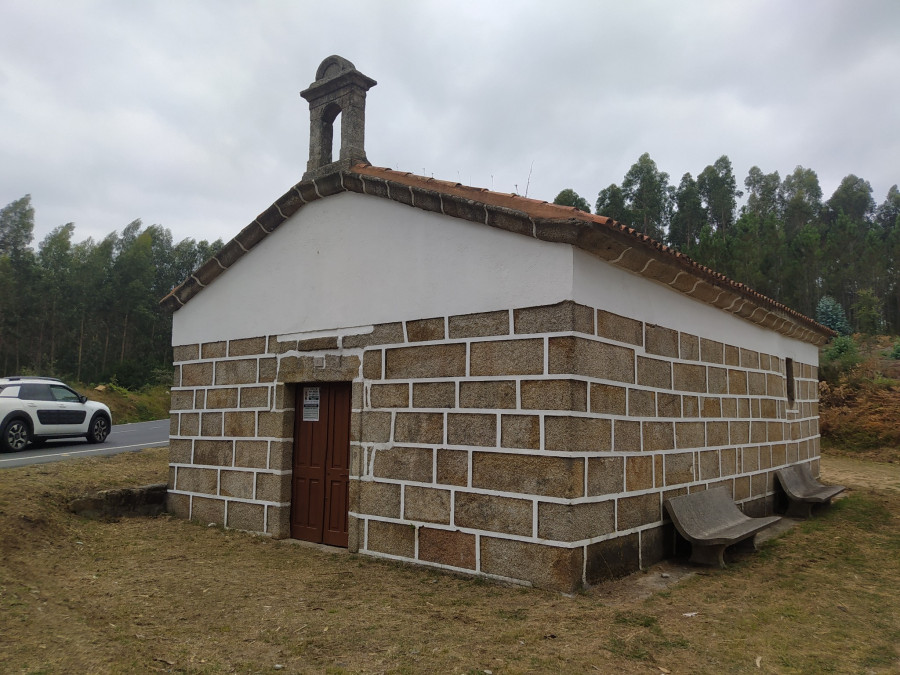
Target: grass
161,594
145,405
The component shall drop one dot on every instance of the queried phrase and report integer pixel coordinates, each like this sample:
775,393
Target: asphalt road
122,438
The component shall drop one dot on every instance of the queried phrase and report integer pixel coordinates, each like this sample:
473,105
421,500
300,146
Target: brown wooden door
321,463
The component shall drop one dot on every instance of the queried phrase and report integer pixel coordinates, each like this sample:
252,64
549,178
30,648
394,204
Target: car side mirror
82,398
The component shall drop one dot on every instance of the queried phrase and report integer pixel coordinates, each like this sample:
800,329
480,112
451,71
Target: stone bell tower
339,89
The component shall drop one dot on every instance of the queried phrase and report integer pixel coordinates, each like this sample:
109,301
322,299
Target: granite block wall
534,444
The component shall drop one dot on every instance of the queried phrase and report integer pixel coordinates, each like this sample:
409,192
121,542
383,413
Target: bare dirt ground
861,474
164,595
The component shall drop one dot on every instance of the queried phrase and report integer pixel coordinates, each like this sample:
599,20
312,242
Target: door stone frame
292,373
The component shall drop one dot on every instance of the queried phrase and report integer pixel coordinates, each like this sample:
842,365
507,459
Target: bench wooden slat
711,522
803,491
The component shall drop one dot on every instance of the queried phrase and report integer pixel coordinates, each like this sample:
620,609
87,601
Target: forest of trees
89,311
786,241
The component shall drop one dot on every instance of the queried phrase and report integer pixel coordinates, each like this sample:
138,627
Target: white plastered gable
353,260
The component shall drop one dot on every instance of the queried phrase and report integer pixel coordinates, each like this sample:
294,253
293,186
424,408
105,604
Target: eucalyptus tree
644,201
89,310
853,197
18,270
135,304
718,190
853,253
887,219
16,226
569,197
689,217
801,200
611,203
649,197
92,276
57,297
764,240
762,194
888,212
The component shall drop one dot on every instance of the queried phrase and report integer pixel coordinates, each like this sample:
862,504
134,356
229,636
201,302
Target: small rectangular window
789,380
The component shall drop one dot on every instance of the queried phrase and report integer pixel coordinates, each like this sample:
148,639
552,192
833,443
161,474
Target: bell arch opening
337,101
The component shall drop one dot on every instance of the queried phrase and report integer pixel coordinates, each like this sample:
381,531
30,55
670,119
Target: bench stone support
798,509
803,491
713,556
712,522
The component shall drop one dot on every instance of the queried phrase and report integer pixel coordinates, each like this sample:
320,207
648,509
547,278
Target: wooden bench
803,491
712,522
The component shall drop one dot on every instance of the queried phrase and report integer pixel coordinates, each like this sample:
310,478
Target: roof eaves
262,226
600,236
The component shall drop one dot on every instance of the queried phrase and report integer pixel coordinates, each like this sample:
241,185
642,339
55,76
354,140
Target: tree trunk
124,333
105,351
40,349
53,335
80,346
18,327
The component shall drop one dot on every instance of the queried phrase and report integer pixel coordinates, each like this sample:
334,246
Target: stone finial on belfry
339,89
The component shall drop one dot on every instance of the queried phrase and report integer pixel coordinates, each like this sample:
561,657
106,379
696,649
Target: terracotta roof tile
598,235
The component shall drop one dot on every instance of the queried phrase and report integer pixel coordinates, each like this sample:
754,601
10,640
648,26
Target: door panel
308,496
321,463
67,415
64,414
337,469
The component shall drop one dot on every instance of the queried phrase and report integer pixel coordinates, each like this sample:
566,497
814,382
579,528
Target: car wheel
15,436
99,429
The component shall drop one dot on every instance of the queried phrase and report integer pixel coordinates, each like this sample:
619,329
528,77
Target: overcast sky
187,113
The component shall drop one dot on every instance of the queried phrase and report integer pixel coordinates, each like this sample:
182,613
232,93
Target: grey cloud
188,115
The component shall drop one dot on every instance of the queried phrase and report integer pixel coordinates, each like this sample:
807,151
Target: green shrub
895,353
868,312
839,358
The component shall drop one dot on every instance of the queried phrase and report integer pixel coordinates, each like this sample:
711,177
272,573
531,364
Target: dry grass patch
162,594
861,422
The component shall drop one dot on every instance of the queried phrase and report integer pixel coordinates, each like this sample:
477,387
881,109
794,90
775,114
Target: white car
35,409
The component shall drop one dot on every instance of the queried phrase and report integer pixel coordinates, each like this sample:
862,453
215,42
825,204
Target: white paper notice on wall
310,404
